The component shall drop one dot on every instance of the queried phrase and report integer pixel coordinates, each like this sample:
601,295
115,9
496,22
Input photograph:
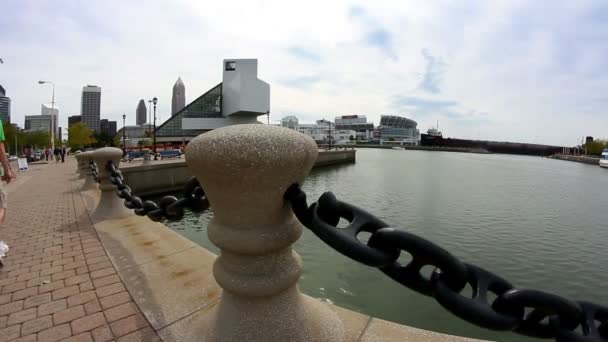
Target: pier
82,266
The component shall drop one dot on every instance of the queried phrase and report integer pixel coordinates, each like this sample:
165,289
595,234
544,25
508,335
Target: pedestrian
6,174
56,153
62,152
46,153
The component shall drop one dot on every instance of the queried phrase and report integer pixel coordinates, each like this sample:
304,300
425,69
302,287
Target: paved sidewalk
58,283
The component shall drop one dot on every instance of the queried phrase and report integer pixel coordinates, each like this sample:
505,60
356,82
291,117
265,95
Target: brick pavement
58,284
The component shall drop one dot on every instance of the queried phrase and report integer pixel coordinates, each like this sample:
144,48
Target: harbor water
538,222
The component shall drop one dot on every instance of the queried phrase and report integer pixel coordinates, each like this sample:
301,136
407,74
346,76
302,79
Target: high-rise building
74,119
38,123
5,106
52,111
141,113
108,127
178,101
90,106
290,122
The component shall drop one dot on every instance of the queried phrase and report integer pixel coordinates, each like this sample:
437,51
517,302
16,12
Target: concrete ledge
170,279
158,177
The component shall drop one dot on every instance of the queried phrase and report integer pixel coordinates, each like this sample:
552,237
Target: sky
527,71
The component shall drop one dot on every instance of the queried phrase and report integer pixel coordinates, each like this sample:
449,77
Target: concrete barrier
89,182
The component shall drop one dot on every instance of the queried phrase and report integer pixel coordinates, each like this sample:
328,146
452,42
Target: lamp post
52,113
124,137
154,100
149,114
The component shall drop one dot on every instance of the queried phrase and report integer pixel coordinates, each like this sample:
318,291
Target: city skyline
484,70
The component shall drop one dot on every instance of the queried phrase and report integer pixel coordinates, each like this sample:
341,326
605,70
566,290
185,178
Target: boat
604,158
398,148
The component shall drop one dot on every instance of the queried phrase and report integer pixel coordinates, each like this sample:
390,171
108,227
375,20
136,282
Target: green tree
596,147
80,136
9,135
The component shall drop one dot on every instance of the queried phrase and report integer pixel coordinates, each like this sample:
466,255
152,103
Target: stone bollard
78,165
89,182
146,155
83,165
245,170
110,206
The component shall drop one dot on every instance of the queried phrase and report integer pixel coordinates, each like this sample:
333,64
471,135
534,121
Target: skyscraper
5,106
178,101
90,106
141,113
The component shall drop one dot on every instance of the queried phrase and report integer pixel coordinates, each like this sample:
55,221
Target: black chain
551,316
169,207
93,167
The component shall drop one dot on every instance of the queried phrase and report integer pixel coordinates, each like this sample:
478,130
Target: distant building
5,106
290,122
588,140
178,100
54,112
358,123
90,106
74,119
107,127
133,135
35,123
398,129
324,131
239,99
141,114
60,135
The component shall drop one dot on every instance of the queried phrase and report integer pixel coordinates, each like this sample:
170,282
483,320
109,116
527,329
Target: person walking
56,154
62,152
46,153
6,174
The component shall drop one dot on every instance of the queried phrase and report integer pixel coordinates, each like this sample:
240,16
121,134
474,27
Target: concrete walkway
58,283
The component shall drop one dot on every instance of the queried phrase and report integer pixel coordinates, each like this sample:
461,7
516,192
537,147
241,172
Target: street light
52,114
154,100
149,115
124,138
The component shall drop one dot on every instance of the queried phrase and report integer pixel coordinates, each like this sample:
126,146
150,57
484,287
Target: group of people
58,152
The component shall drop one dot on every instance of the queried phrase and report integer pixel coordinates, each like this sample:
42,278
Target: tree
596,147
143,142
9,136
80,136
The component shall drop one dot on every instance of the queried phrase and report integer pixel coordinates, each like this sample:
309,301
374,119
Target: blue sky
532,71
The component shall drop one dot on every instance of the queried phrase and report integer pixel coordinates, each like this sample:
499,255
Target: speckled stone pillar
82,165
245,170
89,182
110,206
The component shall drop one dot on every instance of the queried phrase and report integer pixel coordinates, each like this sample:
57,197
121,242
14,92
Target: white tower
178,101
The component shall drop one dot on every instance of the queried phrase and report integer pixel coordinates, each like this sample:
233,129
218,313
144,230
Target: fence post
110,206
245,170
89,182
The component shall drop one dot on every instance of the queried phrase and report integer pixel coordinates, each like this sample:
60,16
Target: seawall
170,175
579,159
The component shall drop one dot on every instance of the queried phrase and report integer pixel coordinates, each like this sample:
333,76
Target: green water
538,222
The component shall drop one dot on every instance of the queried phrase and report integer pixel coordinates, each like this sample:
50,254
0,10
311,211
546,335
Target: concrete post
146,155
82,164
245,170
89,182
110,206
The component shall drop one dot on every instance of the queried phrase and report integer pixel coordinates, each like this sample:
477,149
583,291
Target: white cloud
517,70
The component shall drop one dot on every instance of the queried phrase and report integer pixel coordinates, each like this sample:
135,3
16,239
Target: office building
35,123
358,123
178,100
5,106
107,127
90,106
141,113
290,122
325,131
74,119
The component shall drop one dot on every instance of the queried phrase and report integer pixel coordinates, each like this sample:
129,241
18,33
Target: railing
255,231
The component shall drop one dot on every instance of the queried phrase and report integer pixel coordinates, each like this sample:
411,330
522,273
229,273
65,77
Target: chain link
550,316
169,207
93,167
